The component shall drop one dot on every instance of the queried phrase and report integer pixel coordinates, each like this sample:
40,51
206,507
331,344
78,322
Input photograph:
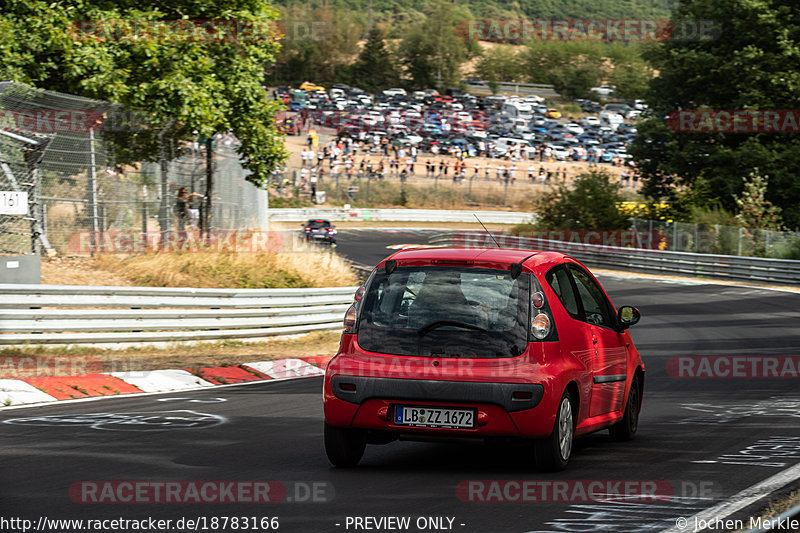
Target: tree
319,45
590,205
375,67
150,56
500,63
631,79
432,52
748,62
572,68
755,211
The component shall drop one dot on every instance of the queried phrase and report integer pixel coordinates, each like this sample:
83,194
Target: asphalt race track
700,441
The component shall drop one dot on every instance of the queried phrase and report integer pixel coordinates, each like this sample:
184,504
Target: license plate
434,417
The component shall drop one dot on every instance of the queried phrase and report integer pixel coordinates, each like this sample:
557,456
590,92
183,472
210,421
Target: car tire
626,428
553,453
344,446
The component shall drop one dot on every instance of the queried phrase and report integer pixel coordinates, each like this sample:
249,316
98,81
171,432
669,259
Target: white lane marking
631,517
138,421
212,400
778,452
741,500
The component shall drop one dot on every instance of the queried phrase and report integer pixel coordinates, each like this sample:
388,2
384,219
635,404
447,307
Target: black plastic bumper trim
610,378
501,394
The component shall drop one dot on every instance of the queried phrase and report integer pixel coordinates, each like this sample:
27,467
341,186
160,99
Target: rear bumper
371,405
502,394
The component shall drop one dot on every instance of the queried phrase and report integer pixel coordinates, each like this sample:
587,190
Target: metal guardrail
539,89
753,269
74,314
337,214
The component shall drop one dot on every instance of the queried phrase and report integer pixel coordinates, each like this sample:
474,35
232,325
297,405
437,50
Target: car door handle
594,340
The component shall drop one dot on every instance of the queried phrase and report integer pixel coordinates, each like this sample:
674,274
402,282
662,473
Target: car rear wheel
344,446
553,453
626,428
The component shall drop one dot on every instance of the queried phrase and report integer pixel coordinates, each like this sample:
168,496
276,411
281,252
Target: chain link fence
72,156
718,239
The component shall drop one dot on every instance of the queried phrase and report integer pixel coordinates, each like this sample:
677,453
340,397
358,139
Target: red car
483,343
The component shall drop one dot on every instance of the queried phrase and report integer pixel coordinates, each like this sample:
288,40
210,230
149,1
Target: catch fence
90,166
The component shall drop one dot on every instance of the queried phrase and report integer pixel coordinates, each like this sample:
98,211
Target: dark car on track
454,343
317,229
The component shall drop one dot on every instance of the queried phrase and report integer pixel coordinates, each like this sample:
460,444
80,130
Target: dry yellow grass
776,508
297,264
224,353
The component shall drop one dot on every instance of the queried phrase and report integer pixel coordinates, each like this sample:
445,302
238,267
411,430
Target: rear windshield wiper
424,330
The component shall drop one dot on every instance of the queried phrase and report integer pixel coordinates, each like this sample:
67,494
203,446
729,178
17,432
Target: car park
491,344
426,119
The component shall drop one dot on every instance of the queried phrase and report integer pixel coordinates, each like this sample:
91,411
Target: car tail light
537,299
541,325
350,319
308,228
359,293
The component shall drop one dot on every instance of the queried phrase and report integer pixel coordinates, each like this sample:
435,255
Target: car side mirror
627,316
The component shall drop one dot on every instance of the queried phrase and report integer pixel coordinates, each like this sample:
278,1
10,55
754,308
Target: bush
590,205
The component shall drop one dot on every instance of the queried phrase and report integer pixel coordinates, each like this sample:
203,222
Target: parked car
308,86
590,121
317,229
482,343
574,128
604,91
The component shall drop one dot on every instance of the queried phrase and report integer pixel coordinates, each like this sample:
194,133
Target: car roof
500,258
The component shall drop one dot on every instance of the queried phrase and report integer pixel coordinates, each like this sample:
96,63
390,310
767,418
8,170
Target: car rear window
445,312
318,223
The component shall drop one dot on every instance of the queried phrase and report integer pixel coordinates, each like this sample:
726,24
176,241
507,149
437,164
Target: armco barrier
337,214
74,314
752,269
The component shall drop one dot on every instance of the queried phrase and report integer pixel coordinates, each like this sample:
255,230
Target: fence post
674,246
144,216
740,242
209,185
91,194
163,210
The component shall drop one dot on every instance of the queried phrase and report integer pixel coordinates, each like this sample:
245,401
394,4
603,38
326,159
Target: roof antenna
486,230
